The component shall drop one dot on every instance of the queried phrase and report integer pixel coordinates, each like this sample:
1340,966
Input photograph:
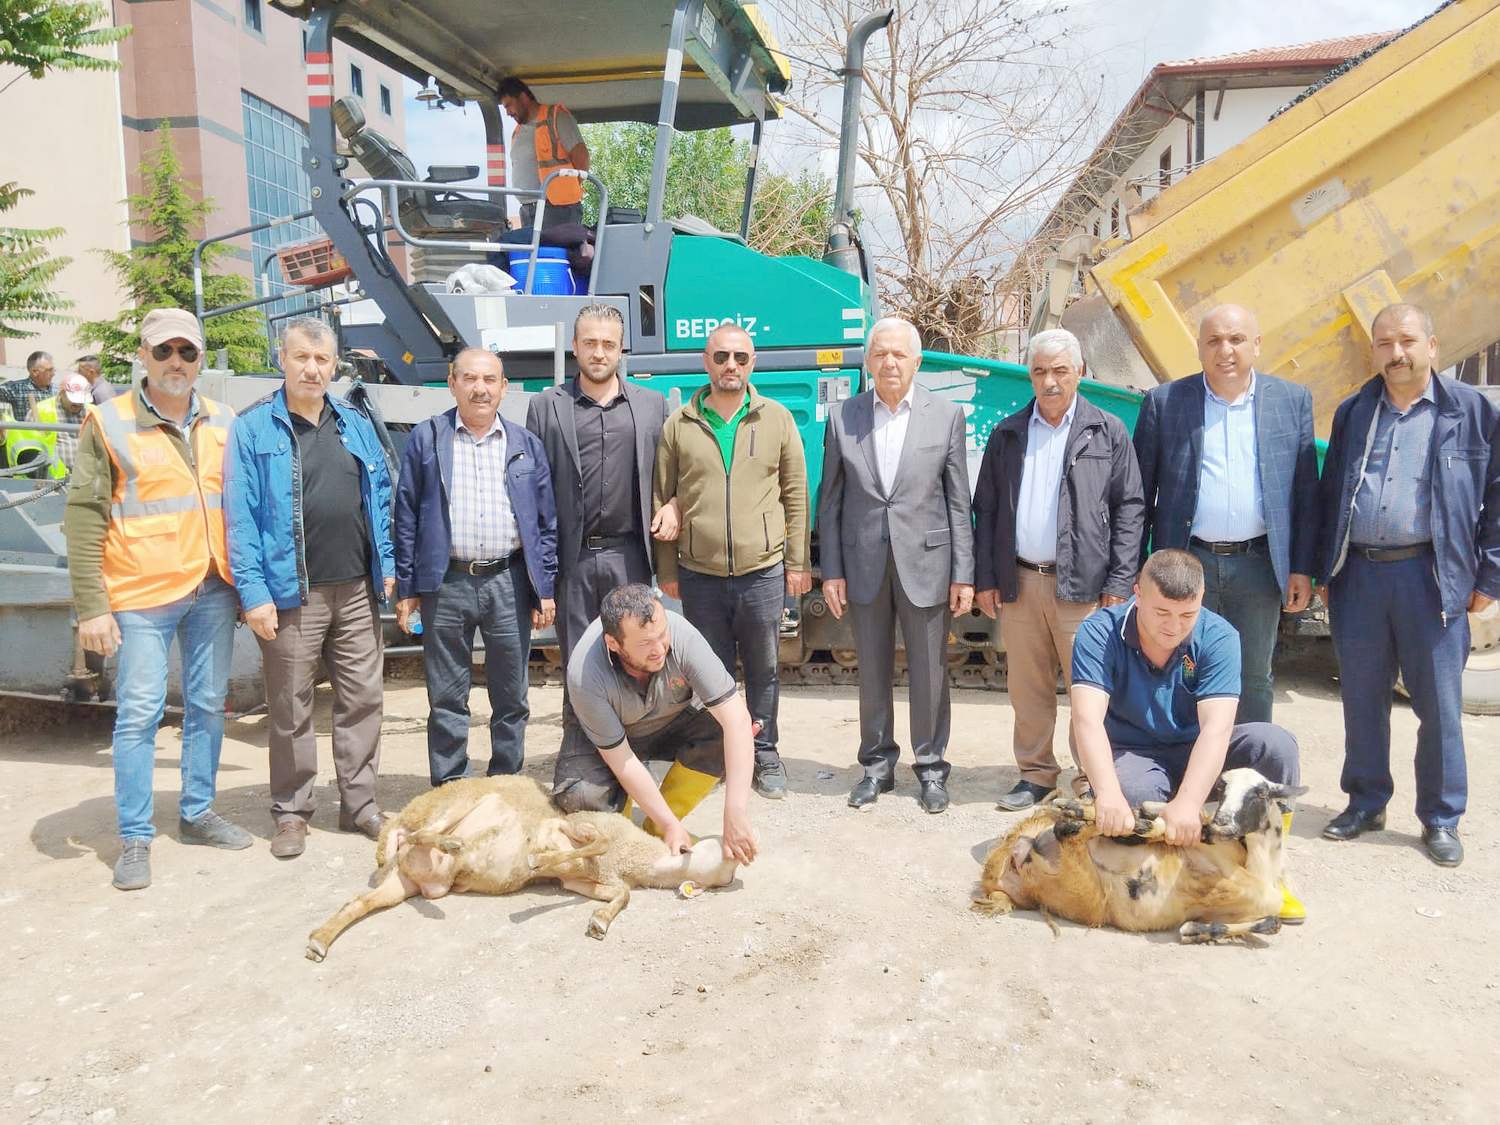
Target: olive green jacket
747,519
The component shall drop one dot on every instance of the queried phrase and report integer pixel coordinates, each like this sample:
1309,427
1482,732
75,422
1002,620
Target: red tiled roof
1322,52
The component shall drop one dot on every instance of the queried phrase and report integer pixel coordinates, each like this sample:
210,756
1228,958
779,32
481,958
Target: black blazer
549,415
1100,513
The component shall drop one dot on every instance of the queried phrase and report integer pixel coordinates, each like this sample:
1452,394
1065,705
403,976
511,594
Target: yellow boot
683,789
1293,913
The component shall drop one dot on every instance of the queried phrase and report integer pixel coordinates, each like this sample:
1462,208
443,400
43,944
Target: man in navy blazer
1230,472
1410,548
476,548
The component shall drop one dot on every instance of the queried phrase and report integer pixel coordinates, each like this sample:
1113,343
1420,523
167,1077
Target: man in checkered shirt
476,548
23,394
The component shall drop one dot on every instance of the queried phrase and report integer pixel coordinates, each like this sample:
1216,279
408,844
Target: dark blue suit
454,604
1247,589
1411,614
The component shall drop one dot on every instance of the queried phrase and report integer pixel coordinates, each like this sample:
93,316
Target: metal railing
390,188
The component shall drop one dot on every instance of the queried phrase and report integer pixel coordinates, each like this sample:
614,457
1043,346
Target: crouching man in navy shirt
1156,682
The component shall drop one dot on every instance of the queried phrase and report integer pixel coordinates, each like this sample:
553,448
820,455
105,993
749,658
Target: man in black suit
1230,472
600,434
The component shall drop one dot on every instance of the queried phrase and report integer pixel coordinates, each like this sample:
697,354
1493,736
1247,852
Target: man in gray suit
897,545
600,434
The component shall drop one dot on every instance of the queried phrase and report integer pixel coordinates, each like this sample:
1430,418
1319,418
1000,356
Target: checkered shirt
484,525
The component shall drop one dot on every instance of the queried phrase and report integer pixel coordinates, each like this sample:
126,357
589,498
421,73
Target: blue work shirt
1230,508
1393,504
1151,707
1041,482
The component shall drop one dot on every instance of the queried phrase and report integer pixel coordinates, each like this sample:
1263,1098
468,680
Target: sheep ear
1217,792
1283,792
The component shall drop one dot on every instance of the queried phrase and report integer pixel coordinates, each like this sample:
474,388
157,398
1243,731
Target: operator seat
426,214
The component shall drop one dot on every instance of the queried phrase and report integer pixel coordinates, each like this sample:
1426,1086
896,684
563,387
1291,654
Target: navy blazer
423,533
1169,447
1465,488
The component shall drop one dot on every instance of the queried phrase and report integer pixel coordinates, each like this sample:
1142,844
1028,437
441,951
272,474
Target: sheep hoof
597,929
994,904
316,950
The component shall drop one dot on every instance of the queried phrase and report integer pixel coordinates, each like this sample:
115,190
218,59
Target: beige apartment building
229,76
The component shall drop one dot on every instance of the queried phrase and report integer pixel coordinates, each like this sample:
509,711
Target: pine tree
160,273
27,273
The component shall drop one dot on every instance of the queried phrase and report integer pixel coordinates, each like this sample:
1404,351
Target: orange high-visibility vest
550,156
166,526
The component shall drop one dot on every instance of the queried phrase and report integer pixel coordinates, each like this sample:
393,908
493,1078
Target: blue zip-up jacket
1465,488
424,535
263,501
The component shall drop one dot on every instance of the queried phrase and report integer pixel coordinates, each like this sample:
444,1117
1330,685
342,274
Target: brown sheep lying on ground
495,835
1227,885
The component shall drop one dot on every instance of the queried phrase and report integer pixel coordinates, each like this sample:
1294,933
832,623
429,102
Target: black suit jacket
549,415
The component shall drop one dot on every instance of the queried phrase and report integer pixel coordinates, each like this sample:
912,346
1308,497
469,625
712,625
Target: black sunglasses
742,358
163,352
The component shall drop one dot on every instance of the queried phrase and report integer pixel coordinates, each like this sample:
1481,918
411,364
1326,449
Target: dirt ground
843,978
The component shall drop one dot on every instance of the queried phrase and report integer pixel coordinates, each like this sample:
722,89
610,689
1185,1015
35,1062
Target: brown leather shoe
290,839
369,824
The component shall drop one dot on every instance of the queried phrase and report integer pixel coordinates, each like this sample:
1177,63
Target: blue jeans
1243,590
1388,616
740,618
203,623
499,606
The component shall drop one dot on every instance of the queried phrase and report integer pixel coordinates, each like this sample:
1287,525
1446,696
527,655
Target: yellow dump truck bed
1384,185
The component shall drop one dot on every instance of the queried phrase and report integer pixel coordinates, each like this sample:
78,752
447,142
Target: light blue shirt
1041,482
1393,505
1230,508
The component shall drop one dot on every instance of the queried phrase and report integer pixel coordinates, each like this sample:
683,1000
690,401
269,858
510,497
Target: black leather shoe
934,797
1444,847
1351,823
868,790
1025,795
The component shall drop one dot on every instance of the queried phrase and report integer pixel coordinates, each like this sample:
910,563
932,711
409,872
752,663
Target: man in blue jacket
308,498
1230,473
476,548
1410,547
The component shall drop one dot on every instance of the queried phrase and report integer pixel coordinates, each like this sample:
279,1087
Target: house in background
231,78
1183,115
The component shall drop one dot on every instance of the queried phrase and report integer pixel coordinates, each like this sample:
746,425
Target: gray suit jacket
923,524
549,415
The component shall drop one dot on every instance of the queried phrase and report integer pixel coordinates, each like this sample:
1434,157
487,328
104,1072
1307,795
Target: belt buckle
472,567
1224,549
594,542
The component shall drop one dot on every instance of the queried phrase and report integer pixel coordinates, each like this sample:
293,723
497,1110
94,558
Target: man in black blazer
1230,472
600,433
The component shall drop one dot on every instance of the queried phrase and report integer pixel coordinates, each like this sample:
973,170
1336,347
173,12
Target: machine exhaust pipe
843,249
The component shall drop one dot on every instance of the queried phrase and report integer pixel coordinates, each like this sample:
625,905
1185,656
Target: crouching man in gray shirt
646,686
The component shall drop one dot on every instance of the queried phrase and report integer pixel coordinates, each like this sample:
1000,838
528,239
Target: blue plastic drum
552,273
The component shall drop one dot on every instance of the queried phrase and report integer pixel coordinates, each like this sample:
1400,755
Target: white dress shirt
1041,483
890,436
1230,508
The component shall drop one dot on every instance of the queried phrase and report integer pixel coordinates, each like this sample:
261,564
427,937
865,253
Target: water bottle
414,623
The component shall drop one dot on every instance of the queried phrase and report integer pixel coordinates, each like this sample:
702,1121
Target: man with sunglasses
733,461
148,562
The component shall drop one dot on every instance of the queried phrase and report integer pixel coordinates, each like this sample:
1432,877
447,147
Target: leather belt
1040,568
1241,547
480,567
1391,554
605,542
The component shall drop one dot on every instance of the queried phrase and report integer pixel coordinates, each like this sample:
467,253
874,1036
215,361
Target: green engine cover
793,302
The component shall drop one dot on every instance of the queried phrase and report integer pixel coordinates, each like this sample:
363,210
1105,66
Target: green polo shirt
724,431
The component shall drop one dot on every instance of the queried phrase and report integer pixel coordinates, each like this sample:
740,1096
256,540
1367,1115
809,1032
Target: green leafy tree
38,36
27,273
706,178
160,273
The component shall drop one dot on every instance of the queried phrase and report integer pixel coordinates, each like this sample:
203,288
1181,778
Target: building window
356,81
385,99
1164,169
252,14
304,44
1114,219
277,184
